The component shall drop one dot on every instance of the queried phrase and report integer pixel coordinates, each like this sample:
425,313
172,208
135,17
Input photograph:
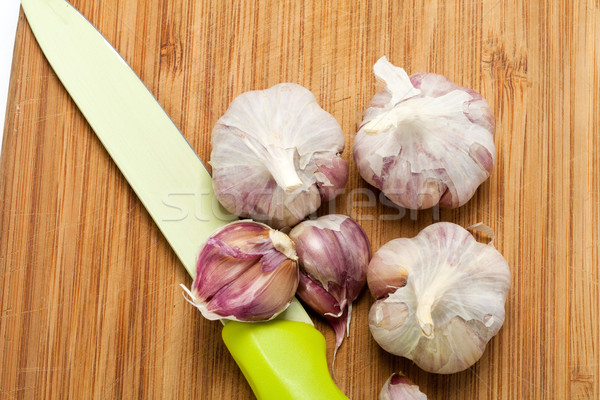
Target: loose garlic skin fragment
425,140
275,155
440,297
245,271
399,387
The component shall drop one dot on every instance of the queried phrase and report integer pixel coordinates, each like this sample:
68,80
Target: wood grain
90,303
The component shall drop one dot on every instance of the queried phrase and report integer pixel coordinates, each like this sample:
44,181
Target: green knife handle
282,360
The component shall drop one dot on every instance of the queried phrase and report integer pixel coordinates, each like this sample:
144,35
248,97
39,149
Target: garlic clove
452,303
318,298
275,155
333,252
385,279
399,387
424,139
336,310
246,271
467,341
332,174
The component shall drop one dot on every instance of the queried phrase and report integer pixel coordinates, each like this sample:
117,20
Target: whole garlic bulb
399,387
333,252
245,271
440,297
425,140
275,155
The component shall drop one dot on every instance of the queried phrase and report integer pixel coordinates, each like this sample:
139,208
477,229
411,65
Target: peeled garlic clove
275,155
399,387
424,139
333,252
245,271
451,305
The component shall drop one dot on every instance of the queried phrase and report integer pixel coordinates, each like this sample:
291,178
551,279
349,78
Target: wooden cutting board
90,302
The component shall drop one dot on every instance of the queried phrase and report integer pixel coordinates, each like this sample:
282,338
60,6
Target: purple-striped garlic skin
276,156
439,297
245,271
333,252
399,387
425,140
331,175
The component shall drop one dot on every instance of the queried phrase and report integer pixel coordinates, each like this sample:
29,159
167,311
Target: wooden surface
90,303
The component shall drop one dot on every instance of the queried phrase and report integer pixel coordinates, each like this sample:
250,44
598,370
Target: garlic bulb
275,155
440,297
334,253
246,271
425,140
399,387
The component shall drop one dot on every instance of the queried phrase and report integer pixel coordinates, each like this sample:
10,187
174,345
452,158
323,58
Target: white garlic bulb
425,140
440,297
275,155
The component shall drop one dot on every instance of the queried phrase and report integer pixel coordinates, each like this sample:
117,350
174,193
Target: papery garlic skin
333,252
425,140
399,387
452,302
275,155
245,271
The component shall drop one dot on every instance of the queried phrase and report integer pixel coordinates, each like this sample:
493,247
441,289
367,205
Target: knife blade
159,163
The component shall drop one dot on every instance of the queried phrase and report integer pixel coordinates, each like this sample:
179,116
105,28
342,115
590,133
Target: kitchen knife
281,359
